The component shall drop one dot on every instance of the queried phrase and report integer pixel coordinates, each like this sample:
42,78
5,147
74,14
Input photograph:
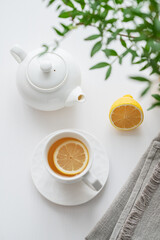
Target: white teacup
86,175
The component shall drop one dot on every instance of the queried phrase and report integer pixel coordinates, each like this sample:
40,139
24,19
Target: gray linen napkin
135,213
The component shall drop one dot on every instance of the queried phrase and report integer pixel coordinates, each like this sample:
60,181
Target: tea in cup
68,157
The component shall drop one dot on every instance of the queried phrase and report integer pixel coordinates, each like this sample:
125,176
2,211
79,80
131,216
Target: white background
24,213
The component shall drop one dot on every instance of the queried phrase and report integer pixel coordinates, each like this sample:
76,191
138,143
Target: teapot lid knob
48,72
46,66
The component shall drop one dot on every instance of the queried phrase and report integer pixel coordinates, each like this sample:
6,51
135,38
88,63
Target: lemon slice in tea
71,157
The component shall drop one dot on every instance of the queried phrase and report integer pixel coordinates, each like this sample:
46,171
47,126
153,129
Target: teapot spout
18,53
76,95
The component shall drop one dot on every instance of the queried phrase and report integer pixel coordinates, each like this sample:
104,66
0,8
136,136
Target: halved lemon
71,157
126,113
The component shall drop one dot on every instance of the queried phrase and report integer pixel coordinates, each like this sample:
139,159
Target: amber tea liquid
52,150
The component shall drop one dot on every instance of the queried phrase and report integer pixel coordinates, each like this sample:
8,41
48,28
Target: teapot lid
47,72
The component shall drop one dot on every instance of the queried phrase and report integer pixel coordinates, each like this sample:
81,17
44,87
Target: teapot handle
18,53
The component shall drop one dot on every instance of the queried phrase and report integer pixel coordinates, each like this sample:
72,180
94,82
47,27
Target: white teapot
50,81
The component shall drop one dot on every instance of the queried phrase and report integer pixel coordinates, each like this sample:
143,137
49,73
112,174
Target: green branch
112,21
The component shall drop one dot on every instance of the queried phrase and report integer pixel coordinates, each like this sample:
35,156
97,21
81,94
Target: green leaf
108,73
65,14
64,26
107,7
81,2
118,1
154,105
110,39
133,53
50,2
128,19
145,66
141,79
156,26
68,3
140,61
154,66
58,7
123,42
58,32
145,91
140,38
110,52
104,14
156,96
117,32
123,55
92,37
46,48
112,20
99,65
96,48
67,28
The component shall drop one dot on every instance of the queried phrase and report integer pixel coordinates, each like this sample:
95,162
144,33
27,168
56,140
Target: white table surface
24,213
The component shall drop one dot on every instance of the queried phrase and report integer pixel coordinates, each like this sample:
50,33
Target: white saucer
69,194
